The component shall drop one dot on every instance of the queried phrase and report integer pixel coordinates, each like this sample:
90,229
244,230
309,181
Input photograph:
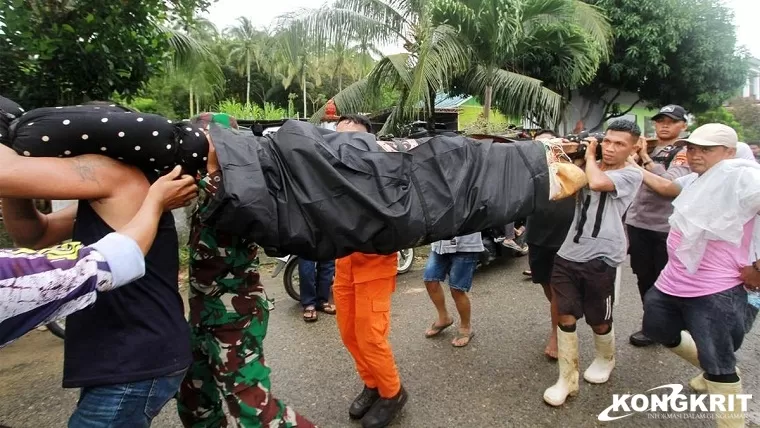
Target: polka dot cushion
147,141
9,111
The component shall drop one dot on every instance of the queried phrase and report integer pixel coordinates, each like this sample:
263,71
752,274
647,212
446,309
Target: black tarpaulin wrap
323,195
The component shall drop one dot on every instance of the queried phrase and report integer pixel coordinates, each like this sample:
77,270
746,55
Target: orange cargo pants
362,291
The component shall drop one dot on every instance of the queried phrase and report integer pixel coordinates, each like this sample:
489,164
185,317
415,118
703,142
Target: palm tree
295,61
477,41
434,53
503,34
195,63
248,43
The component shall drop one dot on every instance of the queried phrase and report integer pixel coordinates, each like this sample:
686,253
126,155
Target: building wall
752,87
579,106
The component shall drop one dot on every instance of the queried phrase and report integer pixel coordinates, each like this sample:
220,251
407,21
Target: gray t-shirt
472,243
597,230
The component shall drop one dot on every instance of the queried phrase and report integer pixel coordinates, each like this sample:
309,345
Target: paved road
497,381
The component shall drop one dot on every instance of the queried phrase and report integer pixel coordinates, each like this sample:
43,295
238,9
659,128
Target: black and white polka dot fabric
148,141
9,111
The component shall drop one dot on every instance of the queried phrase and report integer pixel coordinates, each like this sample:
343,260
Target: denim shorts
458,267
717,322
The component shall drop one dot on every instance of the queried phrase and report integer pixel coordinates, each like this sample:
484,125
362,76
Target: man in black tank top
130,350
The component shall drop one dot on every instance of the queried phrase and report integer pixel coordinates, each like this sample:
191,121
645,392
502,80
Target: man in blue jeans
129,351
316,280
456,259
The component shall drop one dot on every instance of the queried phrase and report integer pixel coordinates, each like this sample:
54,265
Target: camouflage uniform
229,312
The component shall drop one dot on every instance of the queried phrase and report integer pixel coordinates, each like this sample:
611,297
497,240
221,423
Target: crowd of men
694,271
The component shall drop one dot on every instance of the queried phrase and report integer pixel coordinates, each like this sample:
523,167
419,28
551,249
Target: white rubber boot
600,369
733,417
699,384
687,350
567,360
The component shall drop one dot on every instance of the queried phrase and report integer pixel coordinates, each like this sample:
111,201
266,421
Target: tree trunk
303,86
192,102
487,102
248,78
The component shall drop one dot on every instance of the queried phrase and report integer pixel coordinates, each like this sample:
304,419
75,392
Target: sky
262,13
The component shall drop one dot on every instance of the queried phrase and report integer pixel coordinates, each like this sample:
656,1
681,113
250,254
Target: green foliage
184,257
69,51
719,115
251,111
669,51
747,113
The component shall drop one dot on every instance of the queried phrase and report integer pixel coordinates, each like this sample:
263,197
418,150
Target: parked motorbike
288,265
492,242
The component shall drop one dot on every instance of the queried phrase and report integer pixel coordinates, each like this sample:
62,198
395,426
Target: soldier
229,313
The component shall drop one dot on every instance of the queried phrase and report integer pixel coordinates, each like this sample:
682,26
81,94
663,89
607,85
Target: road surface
497,381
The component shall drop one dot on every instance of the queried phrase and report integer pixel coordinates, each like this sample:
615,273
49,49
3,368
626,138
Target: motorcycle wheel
405,260
58,328
290,279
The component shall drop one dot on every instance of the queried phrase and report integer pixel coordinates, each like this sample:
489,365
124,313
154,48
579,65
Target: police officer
647,218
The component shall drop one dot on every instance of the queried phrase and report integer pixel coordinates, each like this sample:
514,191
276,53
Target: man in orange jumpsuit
362,289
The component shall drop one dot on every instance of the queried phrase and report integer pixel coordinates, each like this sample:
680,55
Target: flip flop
327,308
310,315
462,336
437,329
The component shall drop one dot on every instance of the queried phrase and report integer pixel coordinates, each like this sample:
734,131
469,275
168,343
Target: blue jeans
459,267
316,281
127,405
717,322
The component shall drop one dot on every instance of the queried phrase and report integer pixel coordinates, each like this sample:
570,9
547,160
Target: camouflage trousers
228,364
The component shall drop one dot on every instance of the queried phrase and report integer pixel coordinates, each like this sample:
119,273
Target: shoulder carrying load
322,195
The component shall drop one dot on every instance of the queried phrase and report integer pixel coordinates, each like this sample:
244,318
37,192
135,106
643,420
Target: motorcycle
492,243
289,266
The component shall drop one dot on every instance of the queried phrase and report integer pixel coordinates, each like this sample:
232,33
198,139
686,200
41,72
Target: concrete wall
593,112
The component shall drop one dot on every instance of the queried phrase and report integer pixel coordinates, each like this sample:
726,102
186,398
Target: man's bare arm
597,179
83,177
31,229
660,185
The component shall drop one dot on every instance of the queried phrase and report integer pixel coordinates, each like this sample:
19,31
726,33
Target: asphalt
497,381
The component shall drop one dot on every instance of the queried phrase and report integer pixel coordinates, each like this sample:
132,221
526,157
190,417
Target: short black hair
546,131
624,125
357,119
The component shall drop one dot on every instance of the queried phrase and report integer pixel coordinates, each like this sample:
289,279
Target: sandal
310,314
461,336
435,330
327,308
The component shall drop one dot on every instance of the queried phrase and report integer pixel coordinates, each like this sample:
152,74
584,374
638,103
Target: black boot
638,339
384,410
363,402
